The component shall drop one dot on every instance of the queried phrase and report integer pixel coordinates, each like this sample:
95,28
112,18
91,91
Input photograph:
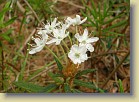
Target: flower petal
35,50
78,19
82,49
77,36
37,41
83,57
54,22
83,20
75,48
56,33
92,39
58,41
85,34
51,41
90,47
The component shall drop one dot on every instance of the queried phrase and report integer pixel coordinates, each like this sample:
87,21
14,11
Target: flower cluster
55,32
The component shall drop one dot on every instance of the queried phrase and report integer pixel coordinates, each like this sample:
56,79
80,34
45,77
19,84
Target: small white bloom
78,54
40,42
86,41
50,27
75,21
59,35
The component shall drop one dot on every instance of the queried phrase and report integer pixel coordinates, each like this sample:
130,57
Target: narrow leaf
121,86
87,84
67,88
35,88
49,88
60,67
29,86
10,21
58,80
117,25
84,72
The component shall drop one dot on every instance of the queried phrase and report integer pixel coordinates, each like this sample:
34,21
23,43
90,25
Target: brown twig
115,69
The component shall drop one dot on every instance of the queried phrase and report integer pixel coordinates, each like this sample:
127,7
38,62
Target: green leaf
121,86
84,72
94,8
10,21
111,20
49,88
29,86
84,84
35,88
8,32
123,22
60,67
34,74
104,10
113,33
23,66
87,84
58,80
6,35
67,88
2,13
92,12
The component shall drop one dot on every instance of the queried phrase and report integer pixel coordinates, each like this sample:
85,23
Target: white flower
78,54
86,41
40,42
50,27
75,21
59,35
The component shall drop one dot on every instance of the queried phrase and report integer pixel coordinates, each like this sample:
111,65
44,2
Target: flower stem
70,40
66,59
65,44
76,31
53,54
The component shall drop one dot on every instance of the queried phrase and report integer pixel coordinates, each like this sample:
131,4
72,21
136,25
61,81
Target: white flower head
75,21
40,42
51,26
59,35
86,41
78,54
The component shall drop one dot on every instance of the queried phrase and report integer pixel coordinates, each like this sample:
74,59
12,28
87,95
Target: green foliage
4,24
42,6
84,72
67,88
23,66
120,86
56,77
59,65
87,84
35,88
103,16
